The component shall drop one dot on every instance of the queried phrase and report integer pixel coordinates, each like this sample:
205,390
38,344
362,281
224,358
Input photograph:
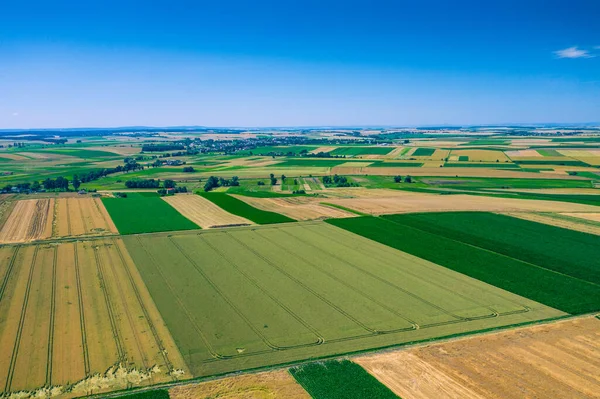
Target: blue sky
286,63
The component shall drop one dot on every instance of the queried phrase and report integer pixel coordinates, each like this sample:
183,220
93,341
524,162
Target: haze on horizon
298,63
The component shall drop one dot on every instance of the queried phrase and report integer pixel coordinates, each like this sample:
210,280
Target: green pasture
423,152
145,213
242,298
495,165
354,151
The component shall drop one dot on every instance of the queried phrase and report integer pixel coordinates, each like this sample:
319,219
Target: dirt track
203,212
29,220
559,360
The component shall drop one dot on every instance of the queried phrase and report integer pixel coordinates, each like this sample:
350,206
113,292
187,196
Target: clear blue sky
287,62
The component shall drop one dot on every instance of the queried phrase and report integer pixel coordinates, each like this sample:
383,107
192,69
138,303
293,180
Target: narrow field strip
203,212
238,207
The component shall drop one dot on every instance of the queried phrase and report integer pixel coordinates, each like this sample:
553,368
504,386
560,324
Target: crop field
71,311
270,385
81,216
340,380
355,151
204,212
139,213
532,268
481,155
298,208
248,297
423,152
558,360
561,220
29,220
240,208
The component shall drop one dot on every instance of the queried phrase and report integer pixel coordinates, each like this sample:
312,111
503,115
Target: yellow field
481,155
72,311
204,212
558,360
555,220
323,149
29,220
81,217
298,208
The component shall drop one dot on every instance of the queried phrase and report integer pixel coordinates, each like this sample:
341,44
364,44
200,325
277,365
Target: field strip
84,346
8,272
320,337
13,358
425,264
52,317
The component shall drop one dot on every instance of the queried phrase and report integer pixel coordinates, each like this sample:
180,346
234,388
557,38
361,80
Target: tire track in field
68,216
206,342
106,224
413,295
224,297
320,338
86,355
85,227
13,359
306,287
51,324
109,307
469,283
128,314
162,349
9,269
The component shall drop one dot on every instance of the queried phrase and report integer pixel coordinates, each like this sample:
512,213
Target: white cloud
15,114
573,52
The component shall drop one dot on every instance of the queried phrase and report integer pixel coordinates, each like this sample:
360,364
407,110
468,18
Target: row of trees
149,183
214,182
398,179
338,181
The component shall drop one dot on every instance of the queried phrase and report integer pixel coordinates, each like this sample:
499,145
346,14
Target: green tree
397,179
76,182
169,184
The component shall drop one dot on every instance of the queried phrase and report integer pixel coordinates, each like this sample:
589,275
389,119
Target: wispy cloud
573,52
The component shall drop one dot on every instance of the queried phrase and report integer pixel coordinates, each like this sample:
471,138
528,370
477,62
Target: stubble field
203,212
29,220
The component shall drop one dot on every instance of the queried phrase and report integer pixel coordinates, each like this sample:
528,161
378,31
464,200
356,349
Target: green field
463,158
496,165
353,151
157,394
145,213
566,161
240,208
423,152
523,268
396,165
550,153
340,380
248,297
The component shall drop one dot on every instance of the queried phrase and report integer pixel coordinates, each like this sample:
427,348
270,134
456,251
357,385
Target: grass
496,165
463,254
343,208
294,149
311,162
463,158
240,208
258,296
340,380
423,152
157,394
549,153
566,162
145,213
353,151
396,165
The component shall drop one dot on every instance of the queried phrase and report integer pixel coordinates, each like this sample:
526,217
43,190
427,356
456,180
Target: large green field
340,380
145,213
249,297
240,208
529,259
354,151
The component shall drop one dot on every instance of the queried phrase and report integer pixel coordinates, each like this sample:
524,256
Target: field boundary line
111,315
503,255
106,224
157,339
9,270
127,312
306,287
206,342
68,216
225,298
376,254
320,338
52,316
83,222
13,358
86,356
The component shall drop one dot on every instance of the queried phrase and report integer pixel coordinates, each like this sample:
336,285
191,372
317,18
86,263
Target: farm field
340,380
204,212
236,206
29,220
558,360
298,208
256,296
560,220
272,385
575,293
145,213
357,151
81,216
76,317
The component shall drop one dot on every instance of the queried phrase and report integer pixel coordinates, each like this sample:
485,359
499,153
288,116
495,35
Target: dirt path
559,360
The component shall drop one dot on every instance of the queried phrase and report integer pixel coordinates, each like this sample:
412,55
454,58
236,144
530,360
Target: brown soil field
204,212
299,208
270,385
29,220
419,202
72,311
555,220
82,217
558,360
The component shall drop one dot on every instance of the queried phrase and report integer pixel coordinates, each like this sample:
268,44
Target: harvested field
410,202
559,220
582,191
82,217
13,157
323,149
524,154
298,208
449,172
558,360
481,155
594,217
248,297
29,220
271,385
204,212
72,311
